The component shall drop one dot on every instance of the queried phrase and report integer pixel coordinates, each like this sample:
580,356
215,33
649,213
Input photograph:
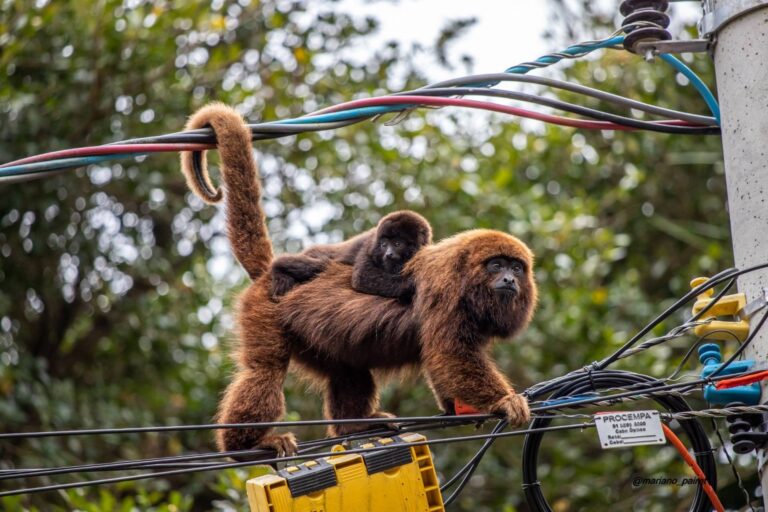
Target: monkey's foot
385,415
515,409
353,428
284,444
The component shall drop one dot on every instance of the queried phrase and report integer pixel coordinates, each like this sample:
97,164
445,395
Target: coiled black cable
598,380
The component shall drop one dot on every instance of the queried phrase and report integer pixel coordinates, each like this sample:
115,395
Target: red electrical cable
494,107
672,438
109,150
742,380
367,102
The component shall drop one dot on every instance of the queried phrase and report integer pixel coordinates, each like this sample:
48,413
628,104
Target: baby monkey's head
398,236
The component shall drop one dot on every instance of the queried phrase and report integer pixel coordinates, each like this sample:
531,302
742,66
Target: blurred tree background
115,283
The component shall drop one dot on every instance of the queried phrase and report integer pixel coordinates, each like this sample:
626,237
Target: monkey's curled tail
246,225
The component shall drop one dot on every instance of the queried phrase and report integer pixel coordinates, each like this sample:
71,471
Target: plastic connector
710,357
729,305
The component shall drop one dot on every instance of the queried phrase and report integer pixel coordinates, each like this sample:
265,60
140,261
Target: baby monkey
377,256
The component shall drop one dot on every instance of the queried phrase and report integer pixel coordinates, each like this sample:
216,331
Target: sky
507,32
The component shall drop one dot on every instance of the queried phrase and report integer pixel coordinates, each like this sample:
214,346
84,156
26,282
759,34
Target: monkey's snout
391,255
506,286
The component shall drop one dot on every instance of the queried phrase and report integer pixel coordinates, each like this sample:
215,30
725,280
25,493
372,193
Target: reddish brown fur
446,331
377,274
263,354
338,335
246,225
363,252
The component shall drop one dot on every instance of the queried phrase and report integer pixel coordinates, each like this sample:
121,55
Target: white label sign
629,428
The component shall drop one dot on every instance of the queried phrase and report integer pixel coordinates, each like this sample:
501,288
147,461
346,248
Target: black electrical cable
605,379
270,130
712,302
730,273
304,447
448,440
567,107
647,387
475,80
259,131
469,468
651,391
739,481
710,283
454,420
158,462
691,350
262,131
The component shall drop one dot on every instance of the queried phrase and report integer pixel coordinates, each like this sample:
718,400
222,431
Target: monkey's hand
515,409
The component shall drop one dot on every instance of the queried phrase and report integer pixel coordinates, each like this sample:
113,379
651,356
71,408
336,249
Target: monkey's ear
425,237
463,258
466,277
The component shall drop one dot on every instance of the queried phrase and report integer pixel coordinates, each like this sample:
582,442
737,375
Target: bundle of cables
583,388
452,92
593,385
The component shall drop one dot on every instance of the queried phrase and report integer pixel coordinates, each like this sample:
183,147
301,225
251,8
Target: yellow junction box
388,480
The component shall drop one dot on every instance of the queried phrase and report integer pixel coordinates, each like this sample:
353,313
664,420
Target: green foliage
115,283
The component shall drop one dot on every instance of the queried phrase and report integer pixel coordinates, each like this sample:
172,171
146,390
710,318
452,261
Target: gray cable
718,413
567,107
32,176
579,89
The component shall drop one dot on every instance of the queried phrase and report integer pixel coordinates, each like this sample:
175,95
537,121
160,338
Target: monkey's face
393,253
500,294
504,276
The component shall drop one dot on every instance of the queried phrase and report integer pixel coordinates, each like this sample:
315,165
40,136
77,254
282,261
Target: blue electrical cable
575,51
62,163
700,86
345,114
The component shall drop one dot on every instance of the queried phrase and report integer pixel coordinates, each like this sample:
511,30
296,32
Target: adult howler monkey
377,257
469,288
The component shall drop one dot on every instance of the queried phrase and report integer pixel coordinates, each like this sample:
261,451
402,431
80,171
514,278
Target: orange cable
742,380
672,438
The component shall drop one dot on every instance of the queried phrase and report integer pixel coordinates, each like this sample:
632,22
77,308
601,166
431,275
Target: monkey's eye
398,243
517,267
494,266
383,244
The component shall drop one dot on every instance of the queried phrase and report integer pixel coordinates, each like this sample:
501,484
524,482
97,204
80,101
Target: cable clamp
753,307
719,13
654,48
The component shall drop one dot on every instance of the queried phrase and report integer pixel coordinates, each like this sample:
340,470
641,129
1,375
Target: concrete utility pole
739,29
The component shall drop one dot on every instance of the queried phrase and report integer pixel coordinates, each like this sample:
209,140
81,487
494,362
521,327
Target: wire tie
533,484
